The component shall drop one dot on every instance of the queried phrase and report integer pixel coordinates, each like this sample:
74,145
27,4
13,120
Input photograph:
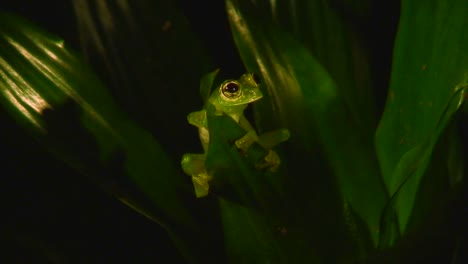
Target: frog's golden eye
231,90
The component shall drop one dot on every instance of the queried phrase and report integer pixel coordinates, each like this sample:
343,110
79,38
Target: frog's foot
200,184
194,165
246,141
271,162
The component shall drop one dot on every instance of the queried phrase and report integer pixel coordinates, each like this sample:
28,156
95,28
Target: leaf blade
428,80
305,99
47,88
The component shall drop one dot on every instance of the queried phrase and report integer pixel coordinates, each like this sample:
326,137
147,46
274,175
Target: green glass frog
231,98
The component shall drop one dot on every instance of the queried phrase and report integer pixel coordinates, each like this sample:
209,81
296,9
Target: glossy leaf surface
305,98
429,79
150,59
257,224
333,200
49,90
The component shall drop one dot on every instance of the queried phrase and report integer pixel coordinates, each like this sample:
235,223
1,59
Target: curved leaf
305,99
330,31
206,84
429,79
49,90
150,60
258,223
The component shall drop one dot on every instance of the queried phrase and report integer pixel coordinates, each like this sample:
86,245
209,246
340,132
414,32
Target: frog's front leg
272,138
268,140
246,141
194,165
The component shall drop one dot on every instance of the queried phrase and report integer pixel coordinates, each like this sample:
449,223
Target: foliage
359,181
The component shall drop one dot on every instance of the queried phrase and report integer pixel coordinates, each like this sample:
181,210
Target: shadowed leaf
429,79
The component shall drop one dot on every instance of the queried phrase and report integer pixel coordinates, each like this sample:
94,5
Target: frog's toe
193,163
200,184
284,134
271,161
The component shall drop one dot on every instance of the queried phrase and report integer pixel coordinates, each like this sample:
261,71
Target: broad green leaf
267,242
330,31
304,98
206,83
150,60
428,82
49,90
258,225
233,171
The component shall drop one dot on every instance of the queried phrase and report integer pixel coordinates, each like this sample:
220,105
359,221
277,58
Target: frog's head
232,93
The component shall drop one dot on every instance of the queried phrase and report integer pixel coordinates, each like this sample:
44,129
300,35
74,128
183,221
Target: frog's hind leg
271,161
194,165
269,140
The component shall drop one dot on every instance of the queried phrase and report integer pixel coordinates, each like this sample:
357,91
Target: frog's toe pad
200,184
193,164
271,161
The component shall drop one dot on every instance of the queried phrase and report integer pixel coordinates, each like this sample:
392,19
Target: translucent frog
230,98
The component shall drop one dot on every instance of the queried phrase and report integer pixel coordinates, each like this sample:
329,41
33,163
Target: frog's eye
231,90
256,79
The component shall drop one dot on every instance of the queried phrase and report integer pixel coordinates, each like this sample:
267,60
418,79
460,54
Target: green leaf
330,31
150,60
303,97
231,169
256,226
206,83
428,82
49,90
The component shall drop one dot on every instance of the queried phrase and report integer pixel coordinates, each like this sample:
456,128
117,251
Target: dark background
50,213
